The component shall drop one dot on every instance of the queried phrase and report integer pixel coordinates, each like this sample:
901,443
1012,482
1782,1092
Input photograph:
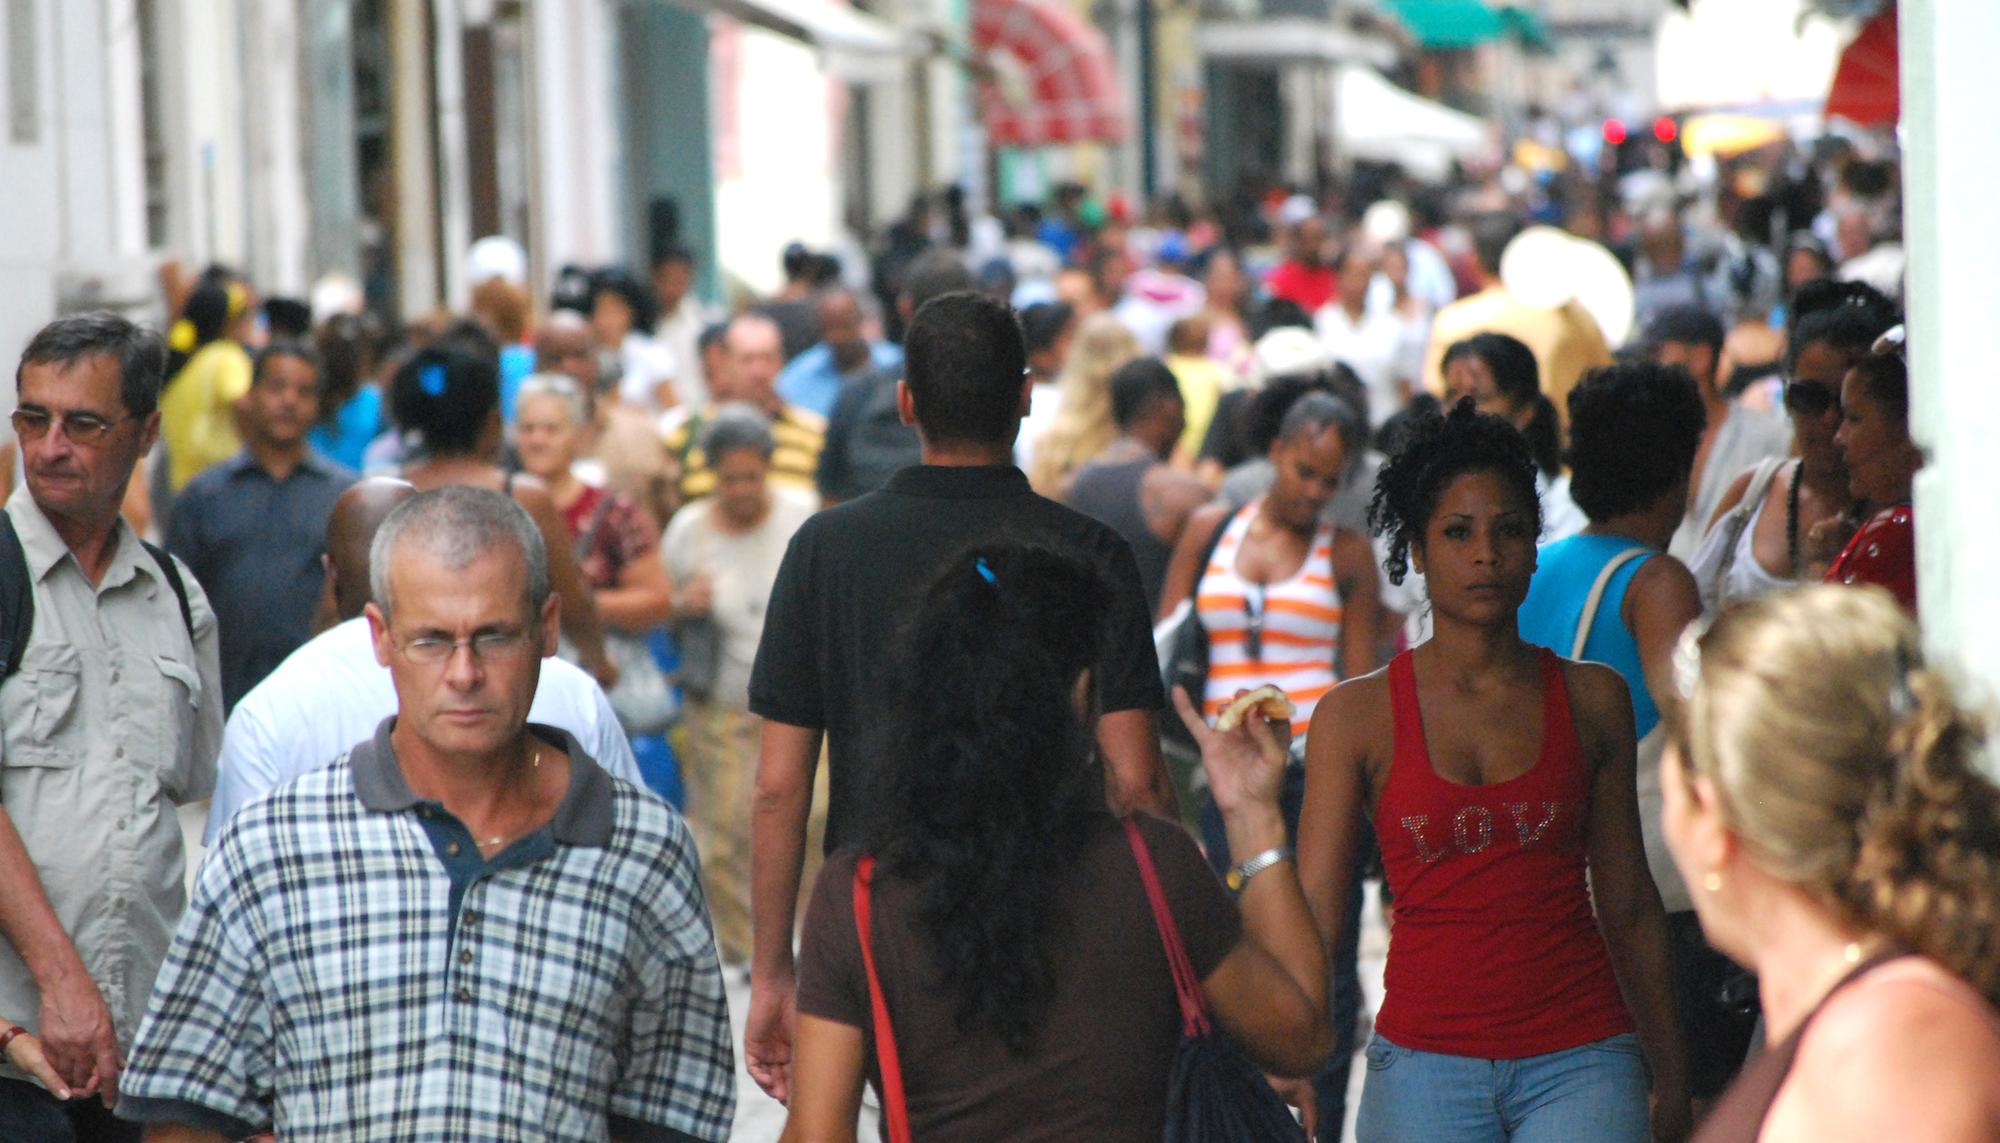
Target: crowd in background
1349,457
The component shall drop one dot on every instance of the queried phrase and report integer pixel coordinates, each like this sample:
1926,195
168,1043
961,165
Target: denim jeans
1343,994
1594,1092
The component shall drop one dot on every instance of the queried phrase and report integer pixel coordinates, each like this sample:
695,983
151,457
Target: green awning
1527,26
1445,25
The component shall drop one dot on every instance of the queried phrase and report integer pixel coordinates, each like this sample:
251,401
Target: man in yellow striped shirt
753,353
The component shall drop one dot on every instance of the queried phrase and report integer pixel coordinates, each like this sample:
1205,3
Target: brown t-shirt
1099,1070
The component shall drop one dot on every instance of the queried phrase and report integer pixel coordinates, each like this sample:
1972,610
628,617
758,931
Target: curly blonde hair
1082,424
1850,769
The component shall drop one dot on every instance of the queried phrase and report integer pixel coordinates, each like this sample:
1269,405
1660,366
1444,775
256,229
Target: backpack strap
17,595
173,574
17,598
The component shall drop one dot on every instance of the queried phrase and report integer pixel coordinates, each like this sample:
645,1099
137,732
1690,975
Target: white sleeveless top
1296,624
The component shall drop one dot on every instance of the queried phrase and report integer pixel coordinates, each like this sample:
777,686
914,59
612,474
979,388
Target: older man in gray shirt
111,719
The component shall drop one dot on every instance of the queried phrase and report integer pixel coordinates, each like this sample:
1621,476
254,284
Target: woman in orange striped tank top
1286,598
1290,600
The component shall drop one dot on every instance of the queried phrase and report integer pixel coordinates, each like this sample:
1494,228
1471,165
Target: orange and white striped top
1285,634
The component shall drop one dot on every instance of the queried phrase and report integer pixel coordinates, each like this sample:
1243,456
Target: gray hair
1315,413
738,425
558,385
141,354
456,525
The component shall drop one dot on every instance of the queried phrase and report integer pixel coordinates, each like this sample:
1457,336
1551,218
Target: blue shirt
255,542
1563,578
345,439
813,381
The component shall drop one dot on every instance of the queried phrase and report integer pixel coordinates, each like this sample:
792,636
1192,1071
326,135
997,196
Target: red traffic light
1665,129
1614,131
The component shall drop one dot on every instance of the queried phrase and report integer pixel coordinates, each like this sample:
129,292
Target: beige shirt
113,719
742,567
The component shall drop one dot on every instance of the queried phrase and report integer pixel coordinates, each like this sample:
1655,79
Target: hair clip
431,378
986,573
1687,659
1903,700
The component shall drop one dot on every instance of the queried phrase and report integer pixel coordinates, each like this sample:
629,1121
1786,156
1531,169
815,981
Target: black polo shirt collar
958,482
583,818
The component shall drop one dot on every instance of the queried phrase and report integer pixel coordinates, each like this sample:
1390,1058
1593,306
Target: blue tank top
1564,574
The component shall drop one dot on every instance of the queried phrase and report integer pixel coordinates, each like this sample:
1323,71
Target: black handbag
1186,662
1215,1094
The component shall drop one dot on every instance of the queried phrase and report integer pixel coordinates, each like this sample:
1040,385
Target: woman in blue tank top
1635,432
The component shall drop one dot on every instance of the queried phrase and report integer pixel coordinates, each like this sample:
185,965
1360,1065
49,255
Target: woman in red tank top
1527,971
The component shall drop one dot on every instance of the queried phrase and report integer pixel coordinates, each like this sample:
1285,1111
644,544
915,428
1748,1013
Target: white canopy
1375,119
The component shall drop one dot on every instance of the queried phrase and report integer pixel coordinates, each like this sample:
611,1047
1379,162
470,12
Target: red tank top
1495,951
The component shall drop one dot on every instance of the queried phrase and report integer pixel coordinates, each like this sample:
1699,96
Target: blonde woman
1824,802
1082,424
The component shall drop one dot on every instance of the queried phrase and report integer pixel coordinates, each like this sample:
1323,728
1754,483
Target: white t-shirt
1372,347
644,363
331,694
1043,402
742,567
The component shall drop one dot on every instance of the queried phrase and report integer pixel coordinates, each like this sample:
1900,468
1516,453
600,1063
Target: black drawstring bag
1215,1095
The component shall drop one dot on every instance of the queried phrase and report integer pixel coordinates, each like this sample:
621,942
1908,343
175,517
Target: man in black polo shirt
847,581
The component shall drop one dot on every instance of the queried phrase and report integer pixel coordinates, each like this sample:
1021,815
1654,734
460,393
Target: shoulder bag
1673,891
895,1109
1215,1094
643,700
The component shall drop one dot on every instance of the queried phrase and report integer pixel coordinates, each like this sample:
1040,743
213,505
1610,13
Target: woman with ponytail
1501,376
1024,980
1823,800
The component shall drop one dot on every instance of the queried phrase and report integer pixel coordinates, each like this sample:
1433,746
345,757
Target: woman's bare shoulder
1910,1049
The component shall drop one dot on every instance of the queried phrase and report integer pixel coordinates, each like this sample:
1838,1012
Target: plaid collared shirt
352,968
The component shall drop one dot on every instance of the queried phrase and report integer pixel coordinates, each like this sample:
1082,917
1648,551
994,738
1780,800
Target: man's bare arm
76,1029
778,818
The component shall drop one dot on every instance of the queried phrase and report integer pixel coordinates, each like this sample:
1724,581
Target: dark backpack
17,595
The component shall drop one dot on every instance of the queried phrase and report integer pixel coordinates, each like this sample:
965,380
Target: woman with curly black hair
1526,988
1024,980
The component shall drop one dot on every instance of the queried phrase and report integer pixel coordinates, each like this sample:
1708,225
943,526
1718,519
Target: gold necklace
534,763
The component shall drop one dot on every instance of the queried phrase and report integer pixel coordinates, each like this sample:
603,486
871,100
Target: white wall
783,183
573,78
1950,88
72,194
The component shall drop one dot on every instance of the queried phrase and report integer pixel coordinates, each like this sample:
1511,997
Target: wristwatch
1240,876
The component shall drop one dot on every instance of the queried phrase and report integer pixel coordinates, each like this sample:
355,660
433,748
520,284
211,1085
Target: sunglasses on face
1810,398
32,424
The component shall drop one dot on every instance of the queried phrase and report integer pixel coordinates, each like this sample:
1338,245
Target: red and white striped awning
1050,76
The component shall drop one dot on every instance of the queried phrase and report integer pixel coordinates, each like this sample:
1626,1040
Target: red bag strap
893,1108
1187,986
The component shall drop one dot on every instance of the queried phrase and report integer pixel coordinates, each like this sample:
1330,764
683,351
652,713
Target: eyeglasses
487,647
1253,623
32,424
1810,398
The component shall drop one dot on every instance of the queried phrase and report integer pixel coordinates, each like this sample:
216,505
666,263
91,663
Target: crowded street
1408,571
